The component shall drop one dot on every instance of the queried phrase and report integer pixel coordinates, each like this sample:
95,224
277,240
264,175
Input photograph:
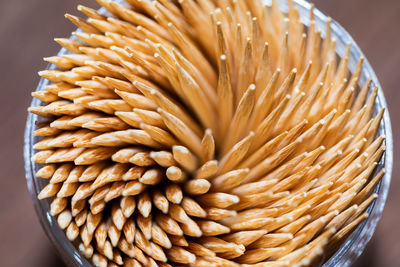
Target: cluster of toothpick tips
205,133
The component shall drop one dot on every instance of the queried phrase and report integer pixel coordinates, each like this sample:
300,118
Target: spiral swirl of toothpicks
205,133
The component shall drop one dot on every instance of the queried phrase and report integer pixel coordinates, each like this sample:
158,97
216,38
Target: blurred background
27,29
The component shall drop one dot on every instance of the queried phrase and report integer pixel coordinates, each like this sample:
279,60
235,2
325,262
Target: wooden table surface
27,29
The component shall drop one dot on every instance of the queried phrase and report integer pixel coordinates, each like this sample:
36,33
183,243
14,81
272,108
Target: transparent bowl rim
349,250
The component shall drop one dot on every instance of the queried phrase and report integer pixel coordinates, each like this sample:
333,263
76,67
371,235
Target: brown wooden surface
27,29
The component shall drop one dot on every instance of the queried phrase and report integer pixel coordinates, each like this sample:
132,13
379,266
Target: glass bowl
349,250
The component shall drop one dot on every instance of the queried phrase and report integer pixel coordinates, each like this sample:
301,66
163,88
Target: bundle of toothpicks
205,133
